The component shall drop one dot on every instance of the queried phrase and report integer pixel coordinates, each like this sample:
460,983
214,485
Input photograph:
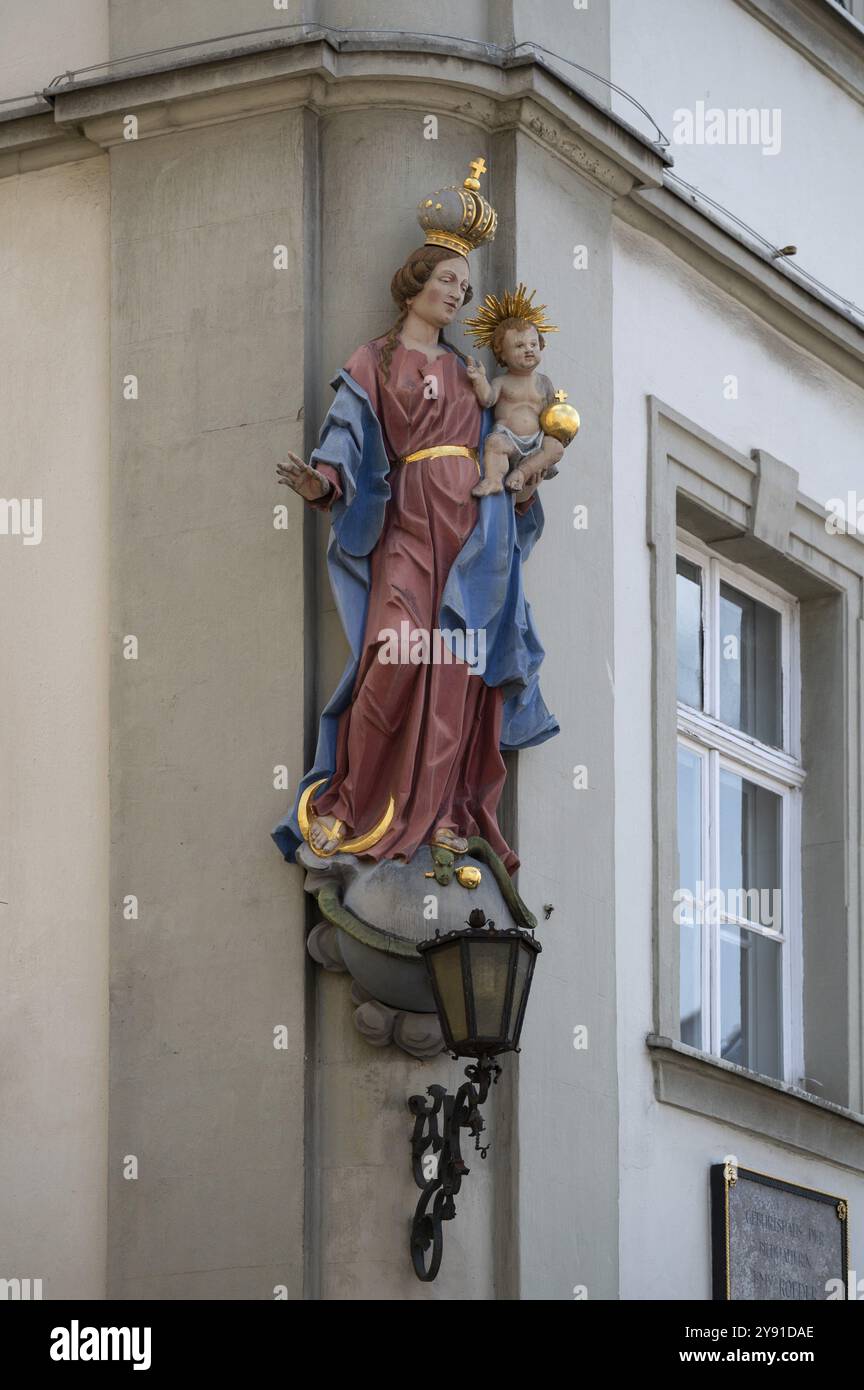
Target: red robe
427,734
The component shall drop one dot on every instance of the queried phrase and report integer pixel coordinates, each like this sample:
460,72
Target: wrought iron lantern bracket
440,1184
480,978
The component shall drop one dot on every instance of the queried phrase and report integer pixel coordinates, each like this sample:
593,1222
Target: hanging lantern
480,978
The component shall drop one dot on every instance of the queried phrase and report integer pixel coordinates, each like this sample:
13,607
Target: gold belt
440,450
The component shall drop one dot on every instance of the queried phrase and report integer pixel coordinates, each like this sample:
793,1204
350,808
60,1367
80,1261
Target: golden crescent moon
355,846
372,836
303,808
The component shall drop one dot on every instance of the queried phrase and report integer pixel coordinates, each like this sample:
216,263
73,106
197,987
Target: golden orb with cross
560,421
459,218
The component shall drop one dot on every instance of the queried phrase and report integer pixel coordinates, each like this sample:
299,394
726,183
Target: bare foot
486,486
326,834
515,480
448,839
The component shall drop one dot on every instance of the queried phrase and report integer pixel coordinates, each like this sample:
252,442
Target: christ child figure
517,452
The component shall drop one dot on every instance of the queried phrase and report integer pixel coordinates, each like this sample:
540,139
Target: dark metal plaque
775,1240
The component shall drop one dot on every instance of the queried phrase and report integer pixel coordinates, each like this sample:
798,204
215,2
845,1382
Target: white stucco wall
41,38
676,54
676,337
54,829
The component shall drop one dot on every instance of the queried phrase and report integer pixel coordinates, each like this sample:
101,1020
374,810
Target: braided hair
408,282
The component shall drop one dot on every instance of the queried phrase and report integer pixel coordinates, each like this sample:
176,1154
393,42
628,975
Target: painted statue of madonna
410,751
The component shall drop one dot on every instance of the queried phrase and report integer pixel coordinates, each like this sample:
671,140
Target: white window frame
779,770
853,9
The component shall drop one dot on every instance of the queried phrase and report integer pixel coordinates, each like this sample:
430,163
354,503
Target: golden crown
459,218
515,304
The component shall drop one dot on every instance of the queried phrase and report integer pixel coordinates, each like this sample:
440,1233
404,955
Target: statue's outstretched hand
305,480
475,370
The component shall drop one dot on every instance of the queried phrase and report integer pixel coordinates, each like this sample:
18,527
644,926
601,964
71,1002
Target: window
760,572
737,900
853,7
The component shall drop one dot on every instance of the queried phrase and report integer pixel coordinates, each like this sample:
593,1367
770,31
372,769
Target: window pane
751,693
750,850
689,608
750,1001
689,877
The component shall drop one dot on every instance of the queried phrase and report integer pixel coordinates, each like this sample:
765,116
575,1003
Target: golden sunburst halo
513,304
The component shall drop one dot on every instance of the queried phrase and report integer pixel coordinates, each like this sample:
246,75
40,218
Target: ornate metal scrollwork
440,1186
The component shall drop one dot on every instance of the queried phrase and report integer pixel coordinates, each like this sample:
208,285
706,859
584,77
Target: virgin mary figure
410,750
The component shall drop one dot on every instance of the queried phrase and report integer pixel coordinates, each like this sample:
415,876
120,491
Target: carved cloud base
416,1033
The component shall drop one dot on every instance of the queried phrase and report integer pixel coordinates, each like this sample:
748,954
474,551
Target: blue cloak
483,591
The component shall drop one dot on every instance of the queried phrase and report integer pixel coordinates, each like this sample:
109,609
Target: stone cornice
470,82
522,93
30,142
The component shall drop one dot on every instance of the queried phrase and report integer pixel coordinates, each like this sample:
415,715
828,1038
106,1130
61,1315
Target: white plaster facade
262,1170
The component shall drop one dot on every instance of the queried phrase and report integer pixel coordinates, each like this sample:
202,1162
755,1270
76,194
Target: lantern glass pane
523,962
447,966
490,966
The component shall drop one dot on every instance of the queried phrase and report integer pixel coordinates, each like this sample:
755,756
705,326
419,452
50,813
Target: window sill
720,1090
